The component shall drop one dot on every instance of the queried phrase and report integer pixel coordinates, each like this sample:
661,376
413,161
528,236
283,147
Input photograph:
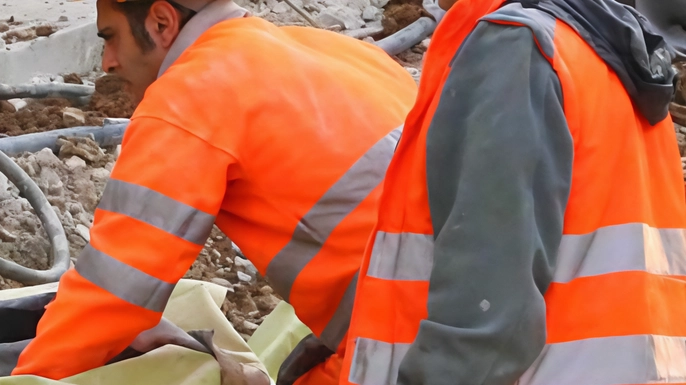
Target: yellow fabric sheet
193,305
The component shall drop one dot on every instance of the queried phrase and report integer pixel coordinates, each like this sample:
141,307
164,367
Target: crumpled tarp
276,338
194,305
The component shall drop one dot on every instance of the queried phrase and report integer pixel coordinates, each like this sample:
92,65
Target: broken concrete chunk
85,148
243,277
74,162
84,232
18,103
73,116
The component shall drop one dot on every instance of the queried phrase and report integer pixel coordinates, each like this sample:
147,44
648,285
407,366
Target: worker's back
298,109
280,135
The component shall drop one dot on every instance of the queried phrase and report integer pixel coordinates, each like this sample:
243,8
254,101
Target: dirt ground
108,101
398,14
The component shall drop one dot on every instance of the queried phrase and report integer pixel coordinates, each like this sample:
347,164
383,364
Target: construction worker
531,228
280,136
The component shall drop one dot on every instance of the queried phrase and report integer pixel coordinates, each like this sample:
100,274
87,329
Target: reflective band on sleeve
340,322
376,362
627,247
339,201
636,359
123,281
402,256
155,209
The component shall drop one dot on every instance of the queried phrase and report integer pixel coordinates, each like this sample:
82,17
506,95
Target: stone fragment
84,232
75,162
243,277
73,117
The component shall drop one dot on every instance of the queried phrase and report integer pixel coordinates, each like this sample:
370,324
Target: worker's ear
163,23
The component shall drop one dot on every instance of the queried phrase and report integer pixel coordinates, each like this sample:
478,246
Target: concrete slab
75,47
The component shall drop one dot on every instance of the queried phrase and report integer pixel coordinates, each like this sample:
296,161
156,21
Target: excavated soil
108,101
398,14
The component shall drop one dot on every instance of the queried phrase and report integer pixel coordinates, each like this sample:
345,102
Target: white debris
73,116
243,277
84,232
75,162
18,103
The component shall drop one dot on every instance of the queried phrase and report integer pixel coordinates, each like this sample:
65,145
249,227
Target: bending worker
531,228
280,136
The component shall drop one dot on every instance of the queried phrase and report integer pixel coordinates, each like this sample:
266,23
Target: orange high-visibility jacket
280,136
531,227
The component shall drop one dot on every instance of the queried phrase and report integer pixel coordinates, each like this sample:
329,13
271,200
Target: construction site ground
73,179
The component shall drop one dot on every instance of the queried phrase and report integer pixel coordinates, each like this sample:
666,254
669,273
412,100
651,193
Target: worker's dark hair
137,11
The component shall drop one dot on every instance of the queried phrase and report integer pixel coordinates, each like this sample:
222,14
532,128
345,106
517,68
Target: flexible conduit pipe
48,90
58,240
107,135
407,37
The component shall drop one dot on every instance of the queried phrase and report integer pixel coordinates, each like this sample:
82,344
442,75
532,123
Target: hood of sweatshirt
628,43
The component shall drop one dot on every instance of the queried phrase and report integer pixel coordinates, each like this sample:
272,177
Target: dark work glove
309,353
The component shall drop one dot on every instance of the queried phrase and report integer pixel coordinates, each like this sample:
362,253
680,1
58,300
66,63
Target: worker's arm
499,160
152,221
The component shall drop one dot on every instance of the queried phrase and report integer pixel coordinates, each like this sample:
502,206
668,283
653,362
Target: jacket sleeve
153,219
499,160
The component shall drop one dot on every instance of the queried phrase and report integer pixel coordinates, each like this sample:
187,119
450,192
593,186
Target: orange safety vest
615,310
280,136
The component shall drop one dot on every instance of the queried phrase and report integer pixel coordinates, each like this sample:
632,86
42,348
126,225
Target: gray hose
107,135
407,37
58,240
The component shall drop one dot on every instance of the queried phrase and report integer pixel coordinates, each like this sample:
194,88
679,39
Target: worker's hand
309,353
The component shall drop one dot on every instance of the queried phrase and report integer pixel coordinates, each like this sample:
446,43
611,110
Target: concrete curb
74,49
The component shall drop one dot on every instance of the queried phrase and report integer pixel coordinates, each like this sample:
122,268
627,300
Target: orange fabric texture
252,124
386,310
326,373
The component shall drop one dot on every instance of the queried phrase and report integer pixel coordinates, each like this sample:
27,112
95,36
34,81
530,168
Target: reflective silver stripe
402,256
123,281
377,363
157,210
340,322
637,359
339,201
628,247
